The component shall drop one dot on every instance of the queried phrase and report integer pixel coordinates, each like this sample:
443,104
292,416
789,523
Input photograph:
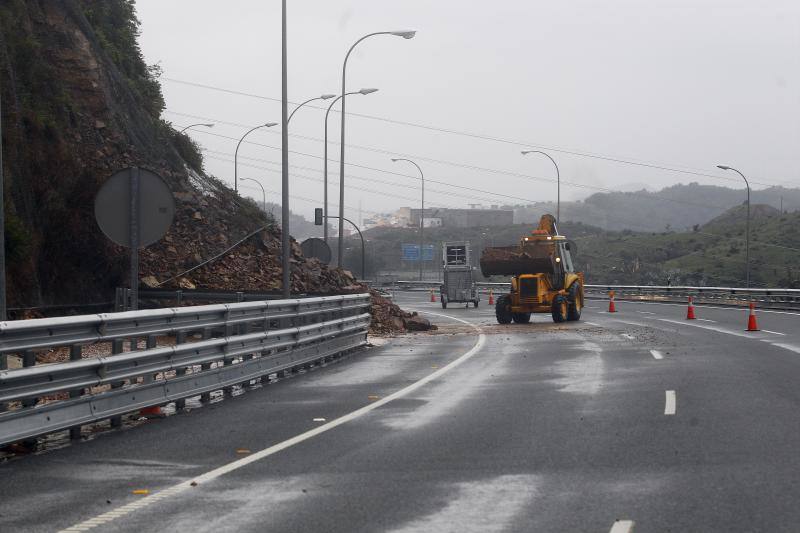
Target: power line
471,167
609,158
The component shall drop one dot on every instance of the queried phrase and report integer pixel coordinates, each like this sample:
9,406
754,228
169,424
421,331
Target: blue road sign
411,252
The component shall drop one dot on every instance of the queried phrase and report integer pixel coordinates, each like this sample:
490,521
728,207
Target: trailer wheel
575,300
502,310
560,309
522,318
443,298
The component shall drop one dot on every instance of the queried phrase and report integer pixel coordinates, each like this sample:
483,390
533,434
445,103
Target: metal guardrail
774,297
238,343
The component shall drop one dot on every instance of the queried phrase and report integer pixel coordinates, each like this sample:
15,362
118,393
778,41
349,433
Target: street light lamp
323,97
405,34
236,154
558,177
193,125
747,225
325,172
421,211
263,193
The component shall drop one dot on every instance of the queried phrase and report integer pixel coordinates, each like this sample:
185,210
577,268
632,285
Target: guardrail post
150,343
75,354
28,360
206,396
117,348
180,338
179,298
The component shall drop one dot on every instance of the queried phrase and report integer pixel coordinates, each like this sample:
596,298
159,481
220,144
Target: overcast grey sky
687,83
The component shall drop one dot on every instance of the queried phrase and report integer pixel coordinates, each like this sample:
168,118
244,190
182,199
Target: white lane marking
669,405
773,332
592,324
629,337
266,452
790,347
706,306
622,526
656,354
707,320
646,312
712,328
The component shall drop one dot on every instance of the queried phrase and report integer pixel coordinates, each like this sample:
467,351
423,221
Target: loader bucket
515,260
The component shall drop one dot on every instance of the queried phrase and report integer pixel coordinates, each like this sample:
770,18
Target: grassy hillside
711,254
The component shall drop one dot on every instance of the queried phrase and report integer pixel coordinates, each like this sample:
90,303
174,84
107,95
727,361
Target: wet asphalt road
537,428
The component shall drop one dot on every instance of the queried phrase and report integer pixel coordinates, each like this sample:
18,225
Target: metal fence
172,354
773,298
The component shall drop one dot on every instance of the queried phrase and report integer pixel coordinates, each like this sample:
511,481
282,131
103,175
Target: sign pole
134,229
2,225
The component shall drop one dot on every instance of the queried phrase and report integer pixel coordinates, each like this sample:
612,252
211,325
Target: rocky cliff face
79,104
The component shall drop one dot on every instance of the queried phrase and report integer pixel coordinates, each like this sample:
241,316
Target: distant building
432,222
464,218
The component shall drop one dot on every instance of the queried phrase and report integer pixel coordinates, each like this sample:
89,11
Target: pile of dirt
388,318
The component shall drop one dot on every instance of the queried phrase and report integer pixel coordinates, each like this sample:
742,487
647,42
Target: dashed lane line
656,354
622,526
266,452
670,403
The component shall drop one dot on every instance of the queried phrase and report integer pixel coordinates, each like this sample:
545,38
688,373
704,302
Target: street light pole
193,125
747,225
404,35
263,192
323,97
236,154
325,172
558,177
285,243
2,222
421,212
363,247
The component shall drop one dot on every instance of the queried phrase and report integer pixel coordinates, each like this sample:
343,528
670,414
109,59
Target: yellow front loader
543,276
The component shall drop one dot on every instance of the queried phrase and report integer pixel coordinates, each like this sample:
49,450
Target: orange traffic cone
433,296
611,307
752,325
491,297
690,310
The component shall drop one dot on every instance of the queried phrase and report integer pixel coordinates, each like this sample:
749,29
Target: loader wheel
502,310
575,300
522,318
443,298
560,309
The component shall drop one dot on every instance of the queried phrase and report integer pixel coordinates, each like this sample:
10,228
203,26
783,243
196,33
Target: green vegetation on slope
713,254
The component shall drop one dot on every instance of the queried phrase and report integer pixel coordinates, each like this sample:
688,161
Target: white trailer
459,283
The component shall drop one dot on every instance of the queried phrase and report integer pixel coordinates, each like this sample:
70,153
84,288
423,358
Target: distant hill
707,254
679,207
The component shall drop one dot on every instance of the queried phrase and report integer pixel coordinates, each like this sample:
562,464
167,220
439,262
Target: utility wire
620,160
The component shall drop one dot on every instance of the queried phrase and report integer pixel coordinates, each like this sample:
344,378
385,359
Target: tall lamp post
286,250
558,177
404,35
323,97
325,173
194,125
747,225
236,154
421,212
263,192
2,222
